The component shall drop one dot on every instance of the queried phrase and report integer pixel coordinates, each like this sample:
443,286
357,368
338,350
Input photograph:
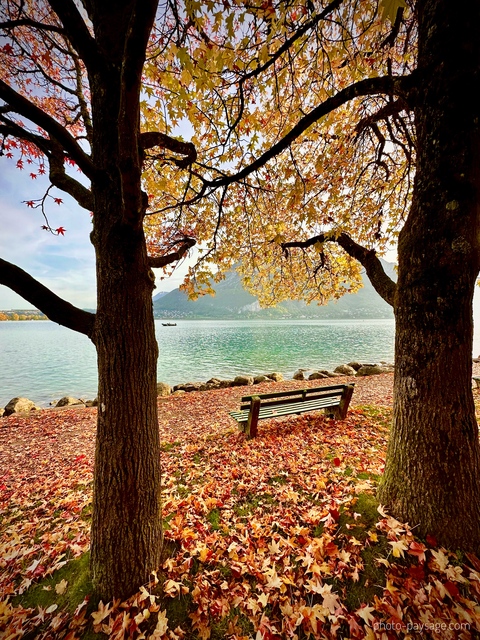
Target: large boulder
163,389
188,386
68,401
19,405
316,375
240,381
330,374
345,370
299,375
371,370
275,376
355,365
259,379
225,384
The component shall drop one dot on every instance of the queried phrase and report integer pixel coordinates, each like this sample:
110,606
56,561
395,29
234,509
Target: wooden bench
334,400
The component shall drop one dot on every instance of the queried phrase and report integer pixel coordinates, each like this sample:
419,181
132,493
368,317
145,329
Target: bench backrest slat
296,399
301,392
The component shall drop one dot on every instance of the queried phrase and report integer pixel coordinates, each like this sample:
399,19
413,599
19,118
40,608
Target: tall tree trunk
126,526
432,475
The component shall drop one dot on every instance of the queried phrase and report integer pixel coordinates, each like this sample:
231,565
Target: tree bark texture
432,475
126,527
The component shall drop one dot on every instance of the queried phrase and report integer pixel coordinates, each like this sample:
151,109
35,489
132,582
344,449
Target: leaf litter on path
276,537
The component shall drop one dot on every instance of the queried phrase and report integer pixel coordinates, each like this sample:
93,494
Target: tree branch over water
54,307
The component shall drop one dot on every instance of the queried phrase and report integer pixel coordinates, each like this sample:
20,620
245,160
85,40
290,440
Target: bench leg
341,410
252,423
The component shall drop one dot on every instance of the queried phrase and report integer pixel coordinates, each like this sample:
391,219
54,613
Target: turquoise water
43,361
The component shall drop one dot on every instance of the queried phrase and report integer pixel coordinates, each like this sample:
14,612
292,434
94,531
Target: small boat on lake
169,324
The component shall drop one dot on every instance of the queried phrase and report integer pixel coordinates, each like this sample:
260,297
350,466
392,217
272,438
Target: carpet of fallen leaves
270,538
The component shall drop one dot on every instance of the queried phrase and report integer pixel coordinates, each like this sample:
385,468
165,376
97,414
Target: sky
65,264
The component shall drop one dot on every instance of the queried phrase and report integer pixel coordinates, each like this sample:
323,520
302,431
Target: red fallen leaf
60,231
334,513
452,589
417,573
81,457
39,571
336,462
431,540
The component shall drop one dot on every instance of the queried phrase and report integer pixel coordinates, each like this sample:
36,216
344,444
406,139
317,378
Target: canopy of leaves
301,130
297,110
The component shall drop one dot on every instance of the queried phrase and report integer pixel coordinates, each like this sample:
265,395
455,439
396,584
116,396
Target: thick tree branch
162,261
77,32
390,109
396,85
24,107
60,179
382,284
140,28
12,129
55,308
150,139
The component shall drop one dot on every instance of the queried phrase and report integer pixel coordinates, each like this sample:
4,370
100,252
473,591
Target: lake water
44,361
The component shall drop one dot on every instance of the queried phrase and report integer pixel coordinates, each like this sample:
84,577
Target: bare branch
28,22
381,282
54,307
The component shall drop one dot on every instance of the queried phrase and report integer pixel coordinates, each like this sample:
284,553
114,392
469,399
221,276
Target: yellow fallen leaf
61,587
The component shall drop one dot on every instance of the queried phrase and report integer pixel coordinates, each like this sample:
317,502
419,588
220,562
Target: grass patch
214,519
67,588
168,446
253,502
380,415
366,505
372,578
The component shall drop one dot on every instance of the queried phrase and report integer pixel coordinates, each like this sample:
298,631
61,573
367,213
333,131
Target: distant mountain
232,301
160,295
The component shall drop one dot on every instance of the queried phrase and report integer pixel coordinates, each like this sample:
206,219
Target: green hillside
232,301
